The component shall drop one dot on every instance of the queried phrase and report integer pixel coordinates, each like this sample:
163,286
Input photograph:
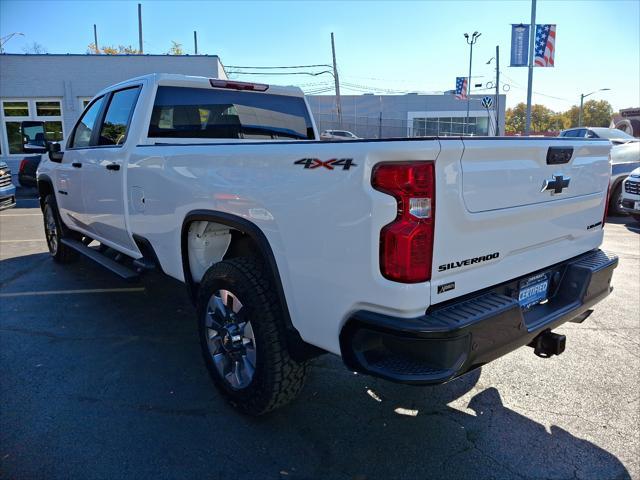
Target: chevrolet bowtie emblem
556,184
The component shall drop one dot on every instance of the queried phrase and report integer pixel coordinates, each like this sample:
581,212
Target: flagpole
532,39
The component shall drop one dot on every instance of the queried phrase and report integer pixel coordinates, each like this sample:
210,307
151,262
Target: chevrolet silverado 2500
415,260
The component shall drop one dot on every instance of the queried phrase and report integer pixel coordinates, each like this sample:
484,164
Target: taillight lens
406,244
23,162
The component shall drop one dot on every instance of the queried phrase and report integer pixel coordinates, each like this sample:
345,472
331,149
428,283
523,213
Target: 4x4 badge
311,163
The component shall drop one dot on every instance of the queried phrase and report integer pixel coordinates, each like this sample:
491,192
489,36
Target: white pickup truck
415,260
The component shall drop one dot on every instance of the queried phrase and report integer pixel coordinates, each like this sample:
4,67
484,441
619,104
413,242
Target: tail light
23,163
406,244
607,199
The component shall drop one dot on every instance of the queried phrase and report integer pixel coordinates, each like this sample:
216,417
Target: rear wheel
54,231
242,336
614,201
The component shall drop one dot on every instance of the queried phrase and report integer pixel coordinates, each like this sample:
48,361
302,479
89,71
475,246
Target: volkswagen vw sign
487,102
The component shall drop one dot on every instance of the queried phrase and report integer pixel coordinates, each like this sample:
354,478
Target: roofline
103,55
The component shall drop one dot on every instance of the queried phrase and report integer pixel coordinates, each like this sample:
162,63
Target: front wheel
242,337
54,231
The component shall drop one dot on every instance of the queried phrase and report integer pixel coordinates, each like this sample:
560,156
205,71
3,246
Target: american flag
545,46
461,88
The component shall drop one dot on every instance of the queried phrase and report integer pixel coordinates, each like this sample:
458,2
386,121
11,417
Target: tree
34,48
515,119
595,113
112,50
541,118
176,48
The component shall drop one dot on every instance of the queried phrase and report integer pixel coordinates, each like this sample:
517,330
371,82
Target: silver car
625,157
7,189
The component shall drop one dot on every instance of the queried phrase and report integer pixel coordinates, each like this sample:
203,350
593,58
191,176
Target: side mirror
33,140
55,153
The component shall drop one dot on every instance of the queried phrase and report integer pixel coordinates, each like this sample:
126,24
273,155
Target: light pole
582,95
4,40
470,41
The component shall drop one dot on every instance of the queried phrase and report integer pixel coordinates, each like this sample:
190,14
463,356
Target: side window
84,127
116,121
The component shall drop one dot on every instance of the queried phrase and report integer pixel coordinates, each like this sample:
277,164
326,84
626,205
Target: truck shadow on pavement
117,389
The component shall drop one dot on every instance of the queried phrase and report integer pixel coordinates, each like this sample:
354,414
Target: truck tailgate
503,209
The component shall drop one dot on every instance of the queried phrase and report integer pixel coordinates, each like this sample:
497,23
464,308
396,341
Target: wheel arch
45,187
298,348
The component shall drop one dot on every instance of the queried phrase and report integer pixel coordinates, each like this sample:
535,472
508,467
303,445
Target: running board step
101,259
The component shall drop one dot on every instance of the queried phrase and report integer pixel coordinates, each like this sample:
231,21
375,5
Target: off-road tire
277,379
614,202
60,252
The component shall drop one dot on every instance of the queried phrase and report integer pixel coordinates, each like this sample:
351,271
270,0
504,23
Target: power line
281,67
313,74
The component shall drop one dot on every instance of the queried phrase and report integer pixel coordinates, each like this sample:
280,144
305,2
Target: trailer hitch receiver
548,344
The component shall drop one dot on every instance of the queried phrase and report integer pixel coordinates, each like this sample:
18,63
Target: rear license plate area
533,290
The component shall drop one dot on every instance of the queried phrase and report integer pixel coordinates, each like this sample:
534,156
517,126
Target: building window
16,109
48,111
449,126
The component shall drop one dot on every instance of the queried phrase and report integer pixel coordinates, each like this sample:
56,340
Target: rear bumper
455,338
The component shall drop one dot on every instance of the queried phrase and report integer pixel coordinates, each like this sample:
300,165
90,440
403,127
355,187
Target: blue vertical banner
519,45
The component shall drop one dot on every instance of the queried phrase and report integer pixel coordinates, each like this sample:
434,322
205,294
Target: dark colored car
27,170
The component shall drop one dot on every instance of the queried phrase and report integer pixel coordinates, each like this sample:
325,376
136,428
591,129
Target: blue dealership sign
519,45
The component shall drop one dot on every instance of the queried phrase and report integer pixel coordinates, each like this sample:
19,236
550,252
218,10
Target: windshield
612,133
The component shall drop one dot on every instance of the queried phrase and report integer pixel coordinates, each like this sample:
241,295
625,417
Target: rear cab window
188,112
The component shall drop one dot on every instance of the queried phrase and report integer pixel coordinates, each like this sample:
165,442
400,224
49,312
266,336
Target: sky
381,46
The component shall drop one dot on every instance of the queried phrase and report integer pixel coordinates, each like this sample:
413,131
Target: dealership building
55,88
410,115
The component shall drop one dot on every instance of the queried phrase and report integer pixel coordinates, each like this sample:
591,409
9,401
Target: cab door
104,171
68,176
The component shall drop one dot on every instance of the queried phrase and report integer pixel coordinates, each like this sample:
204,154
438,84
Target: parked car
615,136
414,260
630,197
27,170
337,135
7,189
625,157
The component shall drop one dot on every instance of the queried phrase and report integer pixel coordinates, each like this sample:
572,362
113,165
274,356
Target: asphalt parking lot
100,378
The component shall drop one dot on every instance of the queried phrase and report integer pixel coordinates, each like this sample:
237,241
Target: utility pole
95,38
140,49
471,42
337,81
195,41
497,102
532,41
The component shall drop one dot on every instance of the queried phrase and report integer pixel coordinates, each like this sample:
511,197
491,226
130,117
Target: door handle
76,164
113,166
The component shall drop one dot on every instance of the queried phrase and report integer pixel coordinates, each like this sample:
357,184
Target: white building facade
55,88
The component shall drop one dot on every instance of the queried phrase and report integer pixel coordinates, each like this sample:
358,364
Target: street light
470,41
6,38
582,95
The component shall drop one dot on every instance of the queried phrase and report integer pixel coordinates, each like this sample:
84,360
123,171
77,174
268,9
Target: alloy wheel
230,339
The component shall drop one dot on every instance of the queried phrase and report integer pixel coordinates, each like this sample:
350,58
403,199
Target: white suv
630,199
